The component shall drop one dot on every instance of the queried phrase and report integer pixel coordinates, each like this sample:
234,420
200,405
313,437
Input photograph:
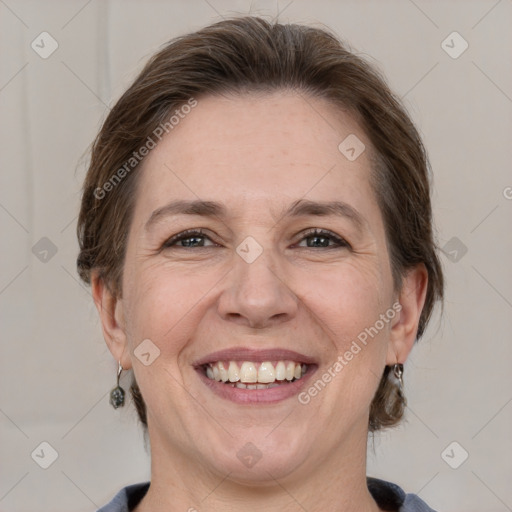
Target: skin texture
257,154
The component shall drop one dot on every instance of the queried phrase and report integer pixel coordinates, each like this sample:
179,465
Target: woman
256,227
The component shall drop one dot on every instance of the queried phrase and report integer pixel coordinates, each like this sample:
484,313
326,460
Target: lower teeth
241,385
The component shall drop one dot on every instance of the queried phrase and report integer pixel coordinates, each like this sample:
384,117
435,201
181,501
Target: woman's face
257,295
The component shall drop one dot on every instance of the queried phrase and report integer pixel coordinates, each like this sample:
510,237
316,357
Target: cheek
166,304
163,307
348,305
163,304
347,298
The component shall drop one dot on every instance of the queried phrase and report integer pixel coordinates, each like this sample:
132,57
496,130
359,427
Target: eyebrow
301,207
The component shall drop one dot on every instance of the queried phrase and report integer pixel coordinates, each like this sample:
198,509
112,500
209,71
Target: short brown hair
250,54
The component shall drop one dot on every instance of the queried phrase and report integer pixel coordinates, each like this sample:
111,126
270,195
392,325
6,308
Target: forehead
272,148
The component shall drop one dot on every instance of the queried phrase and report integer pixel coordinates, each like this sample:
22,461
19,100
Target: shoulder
127,498
413,503
390,496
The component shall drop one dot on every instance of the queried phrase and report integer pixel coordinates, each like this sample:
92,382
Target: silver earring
117,394
398,371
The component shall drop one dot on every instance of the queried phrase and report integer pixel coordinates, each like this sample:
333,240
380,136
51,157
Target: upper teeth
249,372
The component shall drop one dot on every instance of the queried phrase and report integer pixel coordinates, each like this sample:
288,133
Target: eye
321,238
315,239
188,239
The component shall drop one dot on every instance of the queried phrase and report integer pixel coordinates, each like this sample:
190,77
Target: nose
257,294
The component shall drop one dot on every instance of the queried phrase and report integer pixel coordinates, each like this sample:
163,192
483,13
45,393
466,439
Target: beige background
55,370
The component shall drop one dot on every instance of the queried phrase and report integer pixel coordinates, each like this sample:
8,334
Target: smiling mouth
255,375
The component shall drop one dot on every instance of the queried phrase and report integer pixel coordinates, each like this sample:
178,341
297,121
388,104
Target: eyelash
313,232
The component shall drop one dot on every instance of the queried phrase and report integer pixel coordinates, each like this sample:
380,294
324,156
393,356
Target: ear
110,309
411,298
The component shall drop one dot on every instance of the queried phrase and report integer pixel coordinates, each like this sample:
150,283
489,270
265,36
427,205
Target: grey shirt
388,496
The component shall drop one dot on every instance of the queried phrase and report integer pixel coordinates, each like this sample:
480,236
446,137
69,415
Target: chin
254,460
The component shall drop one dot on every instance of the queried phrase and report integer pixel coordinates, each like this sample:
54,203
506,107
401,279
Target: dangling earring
398,371
117,394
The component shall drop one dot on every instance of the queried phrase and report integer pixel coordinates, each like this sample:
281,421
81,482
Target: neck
179,483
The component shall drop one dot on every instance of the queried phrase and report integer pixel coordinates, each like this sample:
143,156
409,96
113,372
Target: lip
255,355
256,396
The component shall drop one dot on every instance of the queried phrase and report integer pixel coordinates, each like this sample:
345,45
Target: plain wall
56,372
